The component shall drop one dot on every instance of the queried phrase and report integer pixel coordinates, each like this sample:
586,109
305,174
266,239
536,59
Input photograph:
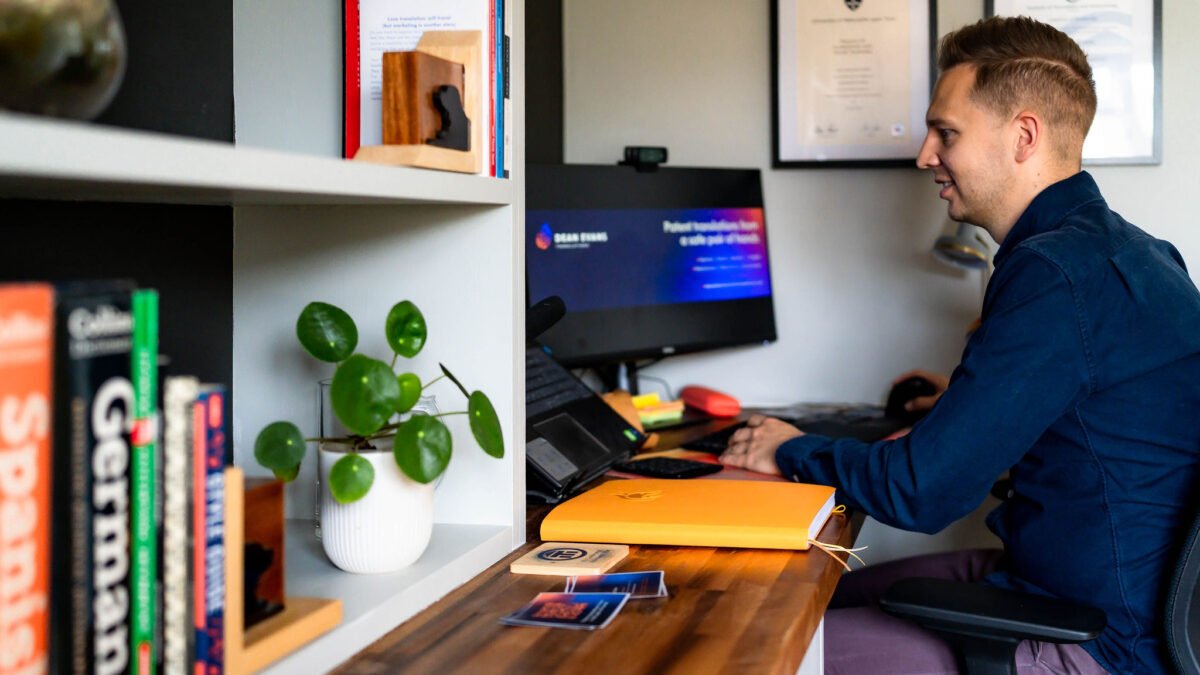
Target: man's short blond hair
1021,63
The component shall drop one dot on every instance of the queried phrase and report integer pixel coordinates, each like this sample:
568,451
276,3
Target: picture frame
850,81
1123,41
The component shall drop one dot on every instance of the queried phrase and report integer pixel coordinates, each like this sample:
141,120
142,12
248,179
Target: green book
143,549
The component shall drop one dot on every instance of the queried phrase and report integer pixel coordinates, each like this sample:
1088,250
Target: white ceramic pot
385,531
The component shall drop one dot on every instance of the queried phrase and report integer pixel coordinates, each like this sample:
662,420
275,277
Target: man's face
966,149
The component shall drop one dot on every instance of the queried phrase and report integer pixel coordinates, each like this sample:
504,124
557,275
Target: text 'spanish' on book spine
26,346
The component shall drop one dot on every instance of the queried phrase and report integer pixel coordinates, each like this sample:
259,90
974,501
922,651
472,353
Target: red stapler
710,401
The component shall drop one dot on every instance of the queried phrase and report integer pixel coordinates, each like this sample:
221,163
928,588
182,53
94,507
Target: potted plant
377,496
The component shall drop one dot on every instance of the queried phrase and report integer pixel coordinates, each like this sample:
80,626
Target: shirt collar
1048,209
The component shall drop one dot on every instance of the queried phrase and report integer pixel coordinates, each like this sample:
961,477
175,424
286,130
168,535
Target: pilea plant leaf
406,331
327,332
447,373
422,449
365,393
280,447
350,478
410,391
485,424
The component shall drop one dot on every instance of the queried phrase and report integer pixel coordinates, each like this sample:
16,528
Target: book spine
507,125
26,346
498,103
214,531
144,554
199,457
352,79
490,71
93,407
179,394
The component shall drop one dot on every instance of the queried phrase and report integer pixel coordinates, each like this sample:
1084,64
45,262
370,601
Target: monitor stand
619,376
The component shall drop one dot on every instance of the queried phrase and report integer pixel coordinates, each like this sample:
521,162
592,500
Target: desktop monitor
648,263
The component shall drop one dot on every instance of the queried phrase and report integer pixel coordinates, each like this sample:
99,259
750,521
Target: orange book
26,345
740,514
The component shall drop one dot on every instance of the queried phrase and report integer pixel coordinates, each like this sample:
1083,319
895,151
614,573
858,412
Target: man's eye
945,134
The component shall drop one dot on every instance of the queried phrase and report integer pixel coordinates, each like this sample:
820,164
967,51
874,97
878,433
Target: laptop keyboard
547,385
848,424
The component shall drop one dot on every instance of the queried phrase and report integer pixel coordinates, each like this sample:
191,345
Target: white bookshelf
53,159
308,225
373,604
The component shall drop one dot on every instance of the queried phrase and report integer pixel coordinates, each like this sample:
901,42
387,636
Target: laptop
571,435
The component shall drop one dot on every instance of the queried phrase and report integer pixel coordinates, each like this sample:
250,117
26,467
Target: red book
26,345
199,472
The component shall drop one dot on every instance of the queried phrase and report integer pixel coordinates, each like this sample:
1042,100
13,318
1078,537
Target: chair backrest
1183,606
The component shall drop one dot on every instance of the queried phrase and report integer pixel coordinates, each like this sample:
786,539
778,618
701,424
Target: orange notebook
740,514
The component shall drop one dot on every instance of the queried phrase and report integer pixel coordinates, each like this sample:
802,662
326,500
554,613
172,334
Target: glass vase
63,58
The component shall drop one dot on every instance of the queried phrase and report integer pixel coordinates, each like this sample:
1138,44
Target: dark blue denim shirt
1083,380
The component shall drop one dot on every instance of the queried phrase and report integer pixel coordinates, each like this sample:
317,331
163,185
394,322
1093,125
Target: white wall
858,299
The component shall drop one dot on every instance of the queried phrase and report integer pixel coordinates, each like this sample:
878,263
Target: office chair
984,624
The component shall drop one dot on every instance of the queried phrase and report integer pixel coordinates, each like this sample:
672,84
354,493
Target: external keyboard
668,467
863,425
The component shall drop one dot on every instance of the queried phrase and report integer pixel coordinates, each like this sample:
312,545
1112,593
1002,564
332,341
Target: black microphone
540,317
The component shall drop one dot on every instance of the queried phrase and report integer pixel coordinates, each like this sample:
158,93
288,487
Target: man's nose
927,158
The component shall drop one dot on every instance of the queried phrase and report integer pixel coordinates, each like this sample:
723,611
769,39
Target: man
1082,380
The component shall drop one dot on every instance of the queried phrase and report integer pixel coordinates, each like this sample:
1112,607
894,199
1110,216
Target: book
579,611
179,395
563,559
93,408
212,400
143,572
498,89
199,483
506,105
740,514
26,346
372,27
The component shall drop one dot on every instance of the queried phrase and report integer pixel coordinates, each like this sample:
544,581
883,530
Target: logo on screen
853,4
544,238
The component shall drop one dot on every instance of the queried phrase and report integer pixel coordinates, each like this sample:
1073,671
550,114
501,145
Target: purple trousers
860,639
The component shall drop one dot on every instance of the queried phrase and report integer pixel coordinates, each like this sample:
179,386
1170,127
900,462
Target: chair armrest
979,610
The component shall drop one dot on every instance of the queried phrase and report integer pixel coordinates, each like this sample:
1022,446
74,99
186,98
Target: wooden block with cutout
302,620
409,82
458,46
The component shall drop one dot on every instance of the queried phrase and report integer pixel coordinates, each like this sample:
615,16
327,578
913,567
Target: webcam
644,158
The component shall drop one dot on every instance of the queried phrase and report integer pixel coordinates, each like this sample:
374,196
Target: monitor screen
648,263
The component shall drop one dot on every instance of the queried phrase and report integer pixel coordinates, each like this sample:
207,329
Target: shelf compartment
373,604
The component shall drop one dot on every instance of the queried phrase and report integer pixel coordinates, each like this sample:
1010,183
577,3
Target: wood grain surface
729,611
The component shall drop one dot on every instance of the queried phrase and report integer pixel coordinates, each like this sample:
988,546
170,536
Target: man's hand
753,446
939,381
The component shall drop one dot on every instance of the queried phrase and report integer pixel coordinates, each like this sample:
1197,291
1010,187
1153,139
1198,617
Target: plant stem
395,355
430,383
460,412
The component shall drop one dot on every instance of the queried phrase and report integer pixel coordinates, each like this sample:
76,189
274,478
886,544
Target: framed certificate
1123,41
850,81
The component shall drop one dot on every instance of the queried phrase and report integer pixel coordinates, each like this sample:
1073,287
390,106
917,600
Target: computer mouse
904,391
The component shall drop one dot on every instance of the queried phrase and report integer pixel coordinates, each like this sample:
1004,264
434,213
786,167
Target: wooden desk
729,610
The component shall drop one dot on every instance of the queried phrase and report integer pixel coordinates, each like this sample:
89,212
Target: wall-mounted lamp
968,248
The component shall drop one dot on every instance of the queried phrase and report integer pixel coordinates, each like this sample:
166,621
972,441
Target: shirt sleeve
1022,369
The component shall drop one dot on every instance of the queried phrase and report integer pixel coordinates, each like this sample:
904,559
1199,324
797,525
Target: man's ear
1028,138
